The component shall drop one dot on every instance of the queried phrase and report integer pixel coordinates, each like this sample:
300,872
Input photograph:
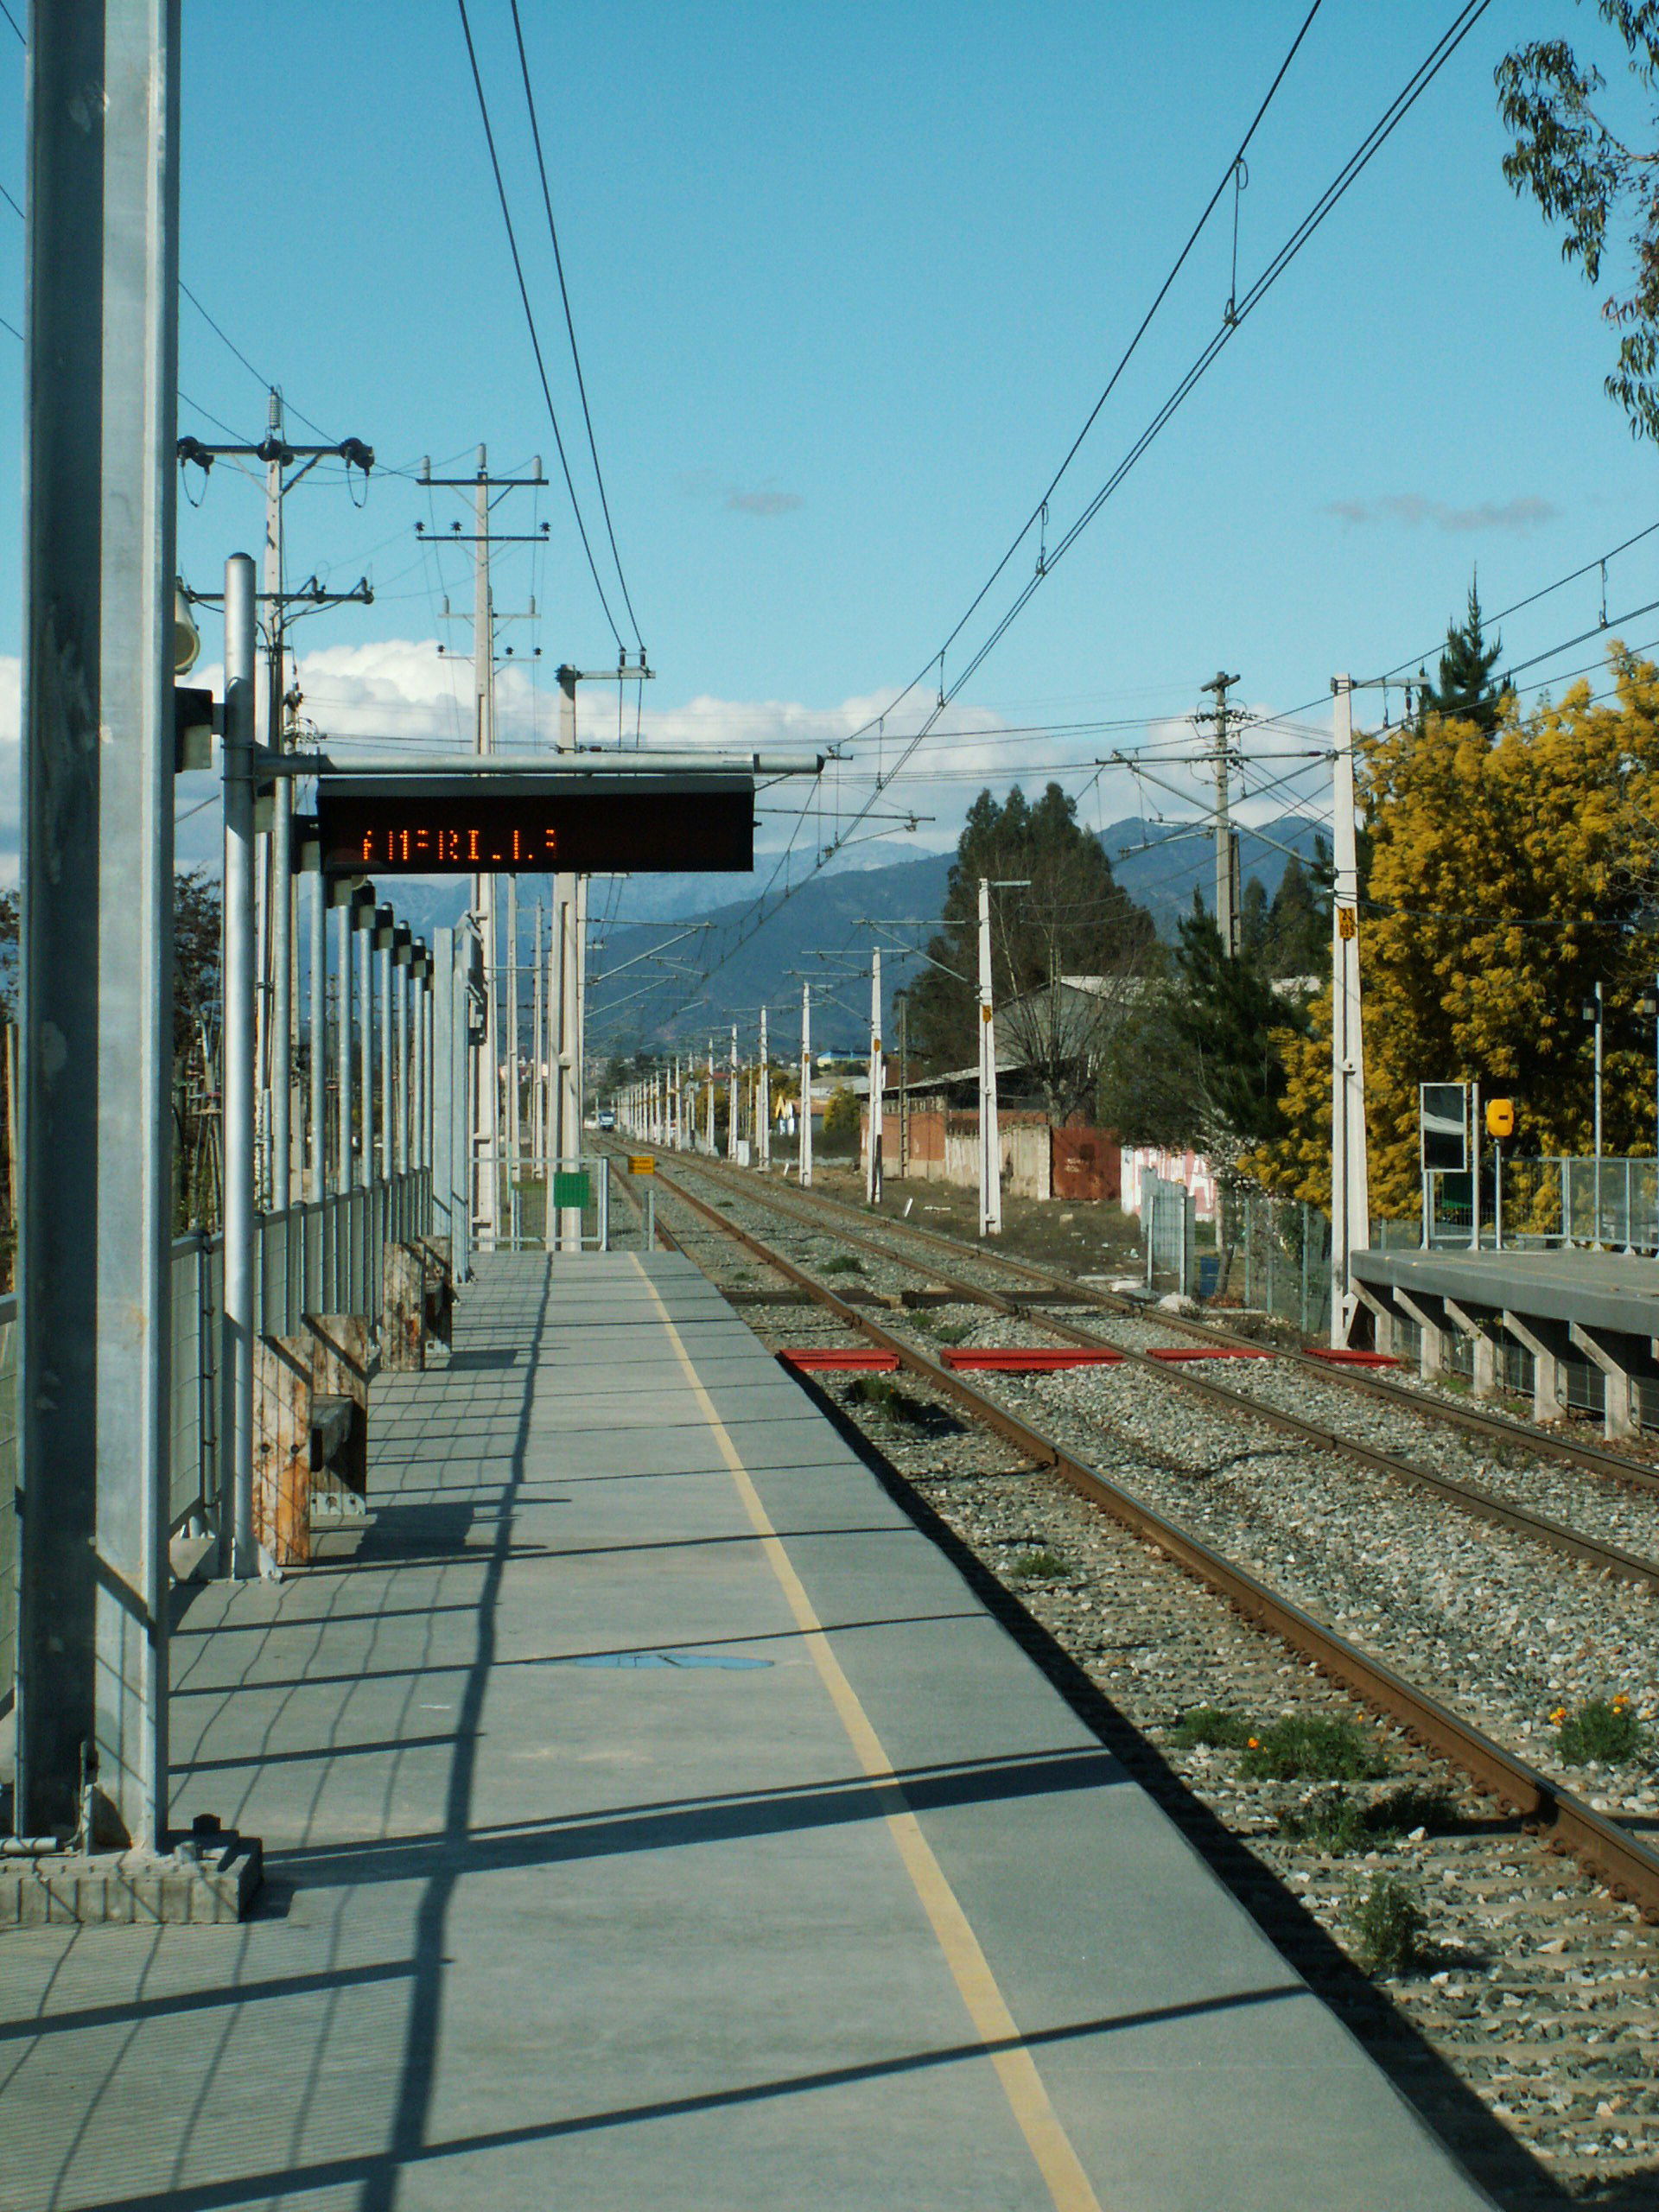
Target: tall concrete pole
238,1556
1225,841
280,1027
731,1101
316,885
763,1097
1350,1226
877,1085
708,1101
805,1138
486,1055
990,1142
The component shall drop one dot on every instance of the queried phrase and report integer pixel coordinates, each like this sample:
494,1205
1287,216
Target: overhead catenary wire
1403,101
569,323
529,319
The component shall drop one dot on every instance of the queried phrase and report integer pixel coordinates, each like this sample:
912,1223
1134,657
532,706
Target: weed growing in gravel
877,1390
1335,1820
1309,1747
1038,1566
844,1264
1388,1918
1208,1726
952,1333
1602,1730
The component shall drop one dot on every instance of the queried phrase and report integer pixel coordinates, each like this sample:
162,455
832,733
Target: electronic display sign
613,826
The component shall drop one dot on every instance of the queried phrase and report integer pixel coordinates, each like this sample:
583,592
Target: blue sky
846,280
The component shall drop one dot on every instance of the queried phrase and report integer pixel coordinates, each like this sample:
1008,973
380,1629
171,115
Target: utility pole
274,877
1227,900
238,1558
990,1145
804,1166
1350,1226
708,1101
513,1131
763,1097
731,1101
486,1055
878,1084
537,1047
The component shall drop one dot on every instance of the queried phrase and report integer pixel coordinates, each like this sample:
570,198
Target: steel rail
1470,1499
1566,1824
1568,1451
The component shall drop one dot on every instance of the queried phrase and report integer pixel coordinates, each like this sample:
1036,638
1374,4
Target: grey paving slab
582,1894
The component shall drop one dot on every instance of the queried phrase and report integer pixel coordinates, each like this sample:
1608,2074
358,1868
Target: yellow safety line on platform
1050,2146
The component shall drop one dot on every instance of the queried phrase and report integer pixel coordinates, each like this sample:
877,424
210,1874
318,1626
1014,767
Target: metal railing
578,1188
323,1258
1558,1200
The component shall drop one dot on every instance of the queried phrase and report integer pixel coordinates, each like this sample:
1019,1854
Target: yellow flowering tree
1510,872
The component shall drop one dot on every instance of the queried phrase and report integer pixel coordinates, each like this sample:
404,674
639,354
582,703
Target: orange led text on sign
521,848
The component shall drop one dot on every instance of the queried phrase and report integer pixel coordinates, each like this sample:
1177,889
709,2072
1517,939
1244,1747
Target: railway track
1495,1427
1565,1822
1475,1501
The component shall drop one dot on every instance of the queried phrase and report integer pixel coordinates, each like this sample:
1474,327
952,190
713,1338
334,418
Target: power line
569,324
529,318
12,19
1038,512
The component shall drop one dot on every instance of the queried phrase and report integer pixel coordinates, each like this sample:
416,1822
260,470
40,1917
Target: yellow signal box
641,1163
1500,1117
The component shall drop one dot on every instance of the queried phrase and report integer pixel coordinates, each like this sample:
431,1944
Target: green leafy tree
1466,692
1071,917
842,1119
1596,183
1297,941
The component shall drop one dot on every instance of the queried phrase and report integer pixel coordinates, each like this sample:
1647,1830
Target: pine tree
1224,1015
1466,692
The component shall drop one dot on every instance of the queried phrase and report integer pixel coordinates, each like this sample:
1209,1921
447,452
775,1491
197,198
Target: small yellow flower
1254,1743
1560,1714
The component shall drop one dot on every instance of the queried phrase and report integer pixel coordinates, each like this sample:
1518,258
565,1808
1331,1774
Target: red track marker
1344,1358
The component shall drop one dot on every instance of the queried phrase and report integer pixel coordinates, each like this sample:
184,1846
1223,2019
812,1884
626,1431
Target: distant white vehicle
607,1117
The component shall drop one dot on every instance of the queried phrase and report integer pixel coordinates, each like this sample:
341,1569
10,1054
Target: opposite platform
653,1818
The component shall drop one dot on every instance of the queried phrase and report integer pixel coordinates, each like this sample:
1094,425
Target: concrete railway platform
653,1817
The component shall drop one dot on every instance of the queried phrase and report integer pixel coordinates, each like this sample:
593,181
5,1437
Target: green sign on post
570,1188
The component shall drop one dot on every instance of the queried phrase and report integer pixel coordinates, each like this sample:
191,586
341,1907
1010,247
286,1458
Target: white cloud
1410,508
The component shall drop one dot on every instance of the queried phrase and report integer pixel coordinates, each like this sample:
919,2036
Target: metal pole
708,1101
343,1172
96,887
990,1147
537,1053
1475,1133
1598,1236
280,1027
1350,1219
565,984
762,1102
364,919
317,906
731,1101
877,1085
383,947
514,1167
236,1356
401,1122
804,1170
